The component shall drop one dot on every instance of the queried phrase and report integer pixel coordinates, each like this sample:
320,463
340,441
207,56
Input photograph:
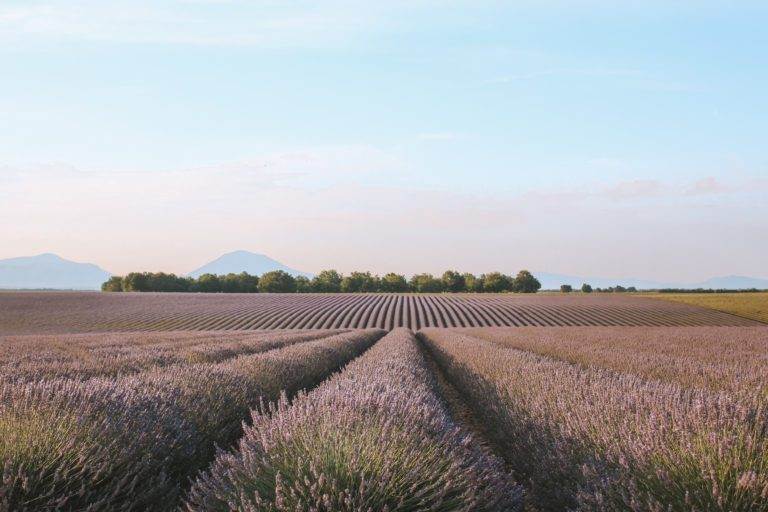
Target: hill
244,261
49,271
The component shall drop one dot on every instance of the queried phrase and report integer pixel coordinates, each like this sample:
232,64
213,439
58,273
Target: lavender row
596,440
132,443
731,359
81,357
376,437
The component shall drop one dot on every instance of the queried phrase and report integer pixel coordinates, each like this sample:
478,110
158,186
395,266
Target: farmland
369,402
71,312
747,305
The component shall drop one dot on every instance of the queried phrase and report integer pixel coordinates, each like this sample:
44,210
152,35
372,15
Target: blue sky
578,137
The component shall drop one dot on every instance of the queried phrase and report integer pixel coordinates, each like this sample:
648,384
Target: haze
576,137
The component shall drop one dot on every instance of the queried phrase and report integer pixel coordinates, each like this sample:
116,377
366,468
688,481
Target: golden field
747,305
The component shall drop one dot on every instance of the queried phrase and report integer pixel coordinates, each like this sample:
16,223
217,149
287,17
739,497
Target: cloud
706,186
263,23
438,136
634,189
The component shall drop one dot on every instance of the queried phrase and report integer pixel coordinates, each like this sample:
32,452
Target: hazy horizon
579,138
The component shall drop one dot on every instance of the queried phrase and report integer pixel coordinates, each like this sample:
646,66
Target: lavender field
468,416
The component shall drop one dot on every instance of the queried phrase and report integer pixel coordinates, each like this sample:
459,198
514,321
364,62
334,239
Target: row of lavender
376,437
134,440
621,430
110,355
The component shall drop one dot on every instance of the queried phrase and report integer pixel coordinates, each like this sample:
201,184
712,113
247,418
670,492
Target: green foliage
277,281
526,283
496,282
327,281
586,288
566,288
426,283
453,282
472,283
113,284
394,283
303,284
360,282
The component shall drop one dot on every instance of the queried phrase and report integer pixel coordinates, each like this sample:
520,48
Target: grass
746,305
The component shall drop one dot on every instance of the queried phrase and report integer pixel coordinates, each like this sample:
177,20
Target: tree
394,283
453,282
496,282
472,283
113,284
359,282
566,288
425,283
303,284
327,281
526,283
277,281
136,282
586,288
208,283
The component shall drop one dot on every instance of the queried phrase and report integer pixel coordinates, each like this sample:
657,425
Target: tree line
327,281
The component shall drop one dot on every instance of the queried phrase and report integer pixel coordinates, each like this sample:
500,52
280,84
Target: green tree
526,283
113,284
586,288
277,281
425,283
394,283
208,283
566,288
496,282
136,282
303,284
359,282
472,283
453,282
327,281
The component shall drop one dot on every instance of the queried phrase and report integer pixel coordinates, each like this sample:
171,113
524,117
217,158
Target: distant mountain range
244,261
553,281
49,271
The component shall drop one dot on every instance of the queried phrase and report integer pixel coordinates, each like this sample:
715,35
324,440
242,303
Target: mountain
244,261
734,282
553,282
49,271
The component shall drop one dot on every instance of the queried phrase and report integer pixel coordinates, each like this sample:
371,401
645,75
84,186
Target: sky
594,138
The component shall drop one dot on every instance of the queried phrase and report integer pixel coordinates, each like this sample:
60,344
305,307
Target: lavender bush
374,438
31,358
594,440
132,443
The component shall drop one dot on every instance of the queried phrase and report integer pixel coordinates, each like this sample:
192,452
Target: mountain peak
244,261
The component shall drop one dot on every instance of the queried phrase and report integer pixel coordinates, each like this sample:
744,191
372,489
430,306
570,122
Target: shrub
566,288
375,437
586,288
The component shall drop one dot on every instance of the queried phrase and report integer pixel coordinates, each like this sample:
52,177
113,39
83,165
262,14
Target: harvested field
747,305
71,312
